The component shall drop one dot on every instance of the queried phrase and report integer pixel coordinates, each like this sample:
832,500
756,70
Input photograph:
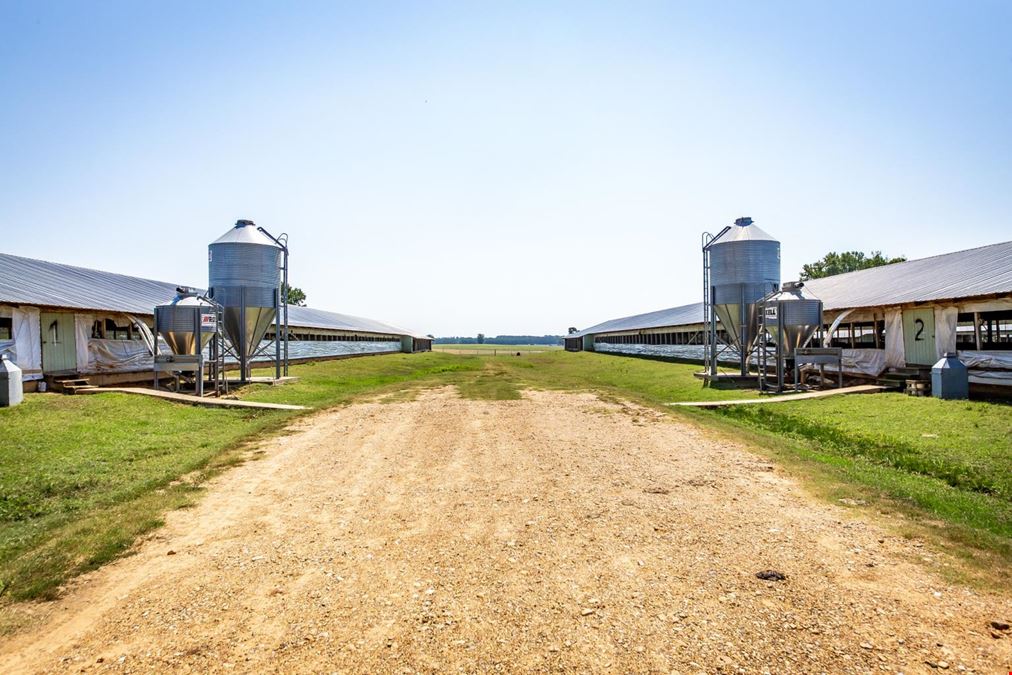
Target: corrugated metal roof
26,281
748,232
963,274
308,317
674,316
245,232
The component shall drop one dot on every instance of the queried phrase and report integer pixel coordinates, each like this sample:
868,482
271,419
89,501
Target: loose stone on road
557,532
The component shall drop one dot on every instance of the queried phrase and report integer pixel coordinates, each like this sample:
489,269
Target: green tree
481,338
848,261
296,296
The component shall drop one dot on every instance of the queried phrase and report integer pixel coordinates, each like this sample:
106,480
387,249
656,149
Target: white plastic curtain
863,361
986,360
945,330
98,355
895,355
118,355
28,341
82,338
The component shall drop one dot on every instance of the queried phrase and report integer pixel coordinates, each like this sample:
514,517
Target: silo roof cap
245,232
750,232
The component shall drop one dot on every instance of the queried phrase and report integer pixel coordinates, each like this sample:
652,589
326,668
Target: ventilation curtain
894,350
945,330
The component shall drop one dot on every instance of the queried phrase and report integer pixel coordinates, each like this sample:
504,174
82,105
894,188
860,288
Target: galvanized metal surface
317,318
177,323
27,281
976,272
673,316
796,312
244,277
744,266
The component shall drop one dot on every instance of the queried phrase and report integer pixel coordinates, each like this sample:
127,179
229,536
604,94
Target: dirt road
555,533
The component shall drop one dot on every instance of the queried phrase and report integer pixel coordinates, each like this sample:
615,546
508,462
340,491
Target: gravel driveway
554,533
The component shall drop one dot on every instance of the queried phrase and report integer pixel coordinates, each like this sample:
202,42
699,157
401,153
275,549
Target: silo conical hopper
177,322
792,317
244,272
744,268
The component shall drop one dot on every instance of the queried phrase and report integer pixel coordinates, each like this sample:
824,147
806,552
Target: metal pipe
277,336
242,335
200,351
285,307
976,330
742,348
282,242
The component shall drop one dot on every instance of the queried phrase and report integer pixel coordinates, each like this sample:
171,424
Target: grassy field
501,349
84,476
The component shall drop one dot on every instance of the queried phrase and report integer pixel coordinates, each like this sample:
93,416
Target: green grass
502,349
84,476
71,463
951,460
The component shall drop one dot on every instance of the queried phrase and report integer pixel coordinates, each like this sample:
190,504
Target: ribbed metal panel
744,268
177,321
749,262
674,316
800,312
242,264
27,281
255,296
244,275
978,271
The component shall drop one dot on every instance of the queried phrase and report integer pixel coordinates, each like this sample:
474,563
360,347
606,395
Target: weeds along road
558,532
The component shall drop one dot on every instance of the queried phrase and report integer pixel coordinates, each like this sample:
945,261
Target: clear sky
500,167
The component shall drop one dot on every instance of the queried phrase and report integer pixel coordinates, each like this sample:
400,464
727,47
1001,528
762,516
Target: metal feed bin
949,378
11,392
245,268
741,266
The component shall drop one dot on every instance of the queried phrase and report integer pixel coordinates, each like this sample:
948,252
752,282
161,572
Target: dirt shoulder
557,532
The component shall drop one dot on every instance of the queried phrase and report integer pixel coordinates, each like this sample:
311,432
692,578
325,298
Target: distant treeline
501,340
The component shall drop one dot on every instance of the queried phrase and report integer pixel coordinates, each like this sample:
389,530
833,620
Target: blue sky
500,167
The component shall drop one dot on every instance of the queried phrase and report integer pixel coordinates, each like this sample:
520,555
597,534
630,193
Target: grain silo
741,265
245,267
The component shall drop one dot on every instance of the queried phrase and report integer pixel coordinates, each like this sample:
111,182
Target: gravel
554,533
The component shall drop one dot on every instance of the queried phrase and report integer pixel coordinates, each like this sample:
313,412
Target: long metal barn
900,316
58,319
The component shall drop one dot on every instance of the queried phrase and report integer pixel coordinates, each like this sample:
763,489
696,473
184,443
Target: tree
848,261
573,329
296,296
481,338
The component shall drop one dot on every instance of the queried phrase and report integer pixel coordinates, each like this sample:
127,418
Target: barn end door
919,336
59,344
